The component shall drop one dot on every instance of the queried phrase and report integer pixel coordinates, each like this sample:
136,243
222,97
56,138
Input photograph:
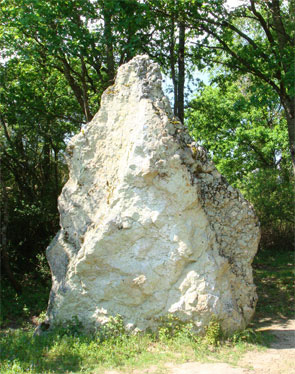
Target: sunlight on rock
148,225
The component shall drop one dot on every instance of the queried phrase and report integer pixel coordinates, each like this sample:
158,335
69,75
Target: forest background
58,56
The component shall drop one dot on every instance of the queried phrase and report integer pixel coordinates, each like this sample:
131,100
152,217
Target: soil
279,358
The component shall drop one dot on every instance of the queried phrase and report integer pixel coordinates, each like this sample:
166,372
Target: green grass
17,310
63,352
274,276
68,350
58,353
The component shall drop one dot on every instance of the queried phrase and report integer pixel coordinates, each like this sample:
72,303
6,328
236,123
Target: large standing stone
148,225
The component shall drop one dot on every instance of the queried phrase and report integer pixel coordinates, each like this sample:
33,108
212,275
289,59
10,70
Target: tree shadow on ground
274,278
38,352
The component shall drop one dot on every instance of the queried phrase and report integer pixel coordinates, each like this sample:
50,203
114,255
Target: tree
256,38
37,115
243,127
171,49
84,40
59,56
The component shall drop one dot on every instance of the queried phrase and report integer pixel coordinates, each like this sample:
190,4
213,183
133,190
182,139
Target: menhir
148,225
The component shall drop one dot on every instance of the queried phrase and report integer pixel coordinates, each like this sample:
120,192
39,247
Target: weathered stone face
148,225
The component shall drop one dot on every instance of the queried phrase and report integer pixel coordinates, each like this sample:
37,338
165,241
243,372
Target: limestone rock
148,225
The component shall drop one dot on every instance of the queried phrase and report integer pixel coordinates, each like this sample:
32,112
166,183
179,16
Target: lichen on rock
148,225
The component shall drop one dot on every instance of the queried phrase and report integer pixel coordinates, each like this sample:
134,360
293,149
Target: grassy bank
67,350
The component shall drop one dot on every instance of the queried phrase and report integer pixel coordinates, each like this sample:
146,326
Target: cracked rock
148,225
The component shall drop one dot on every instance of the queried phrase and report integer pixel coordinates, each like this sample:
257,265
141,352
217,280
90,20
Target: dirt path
278,359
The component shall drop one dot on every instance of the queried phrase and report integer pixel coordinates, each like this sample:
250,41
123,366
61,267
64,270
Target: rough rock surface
148,225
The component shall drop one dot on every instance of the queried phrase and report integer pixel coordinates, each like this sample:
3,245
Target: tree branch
262,22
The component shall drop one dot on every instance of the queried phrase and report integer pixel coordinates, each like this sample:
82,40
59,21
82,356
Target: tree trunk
85,91
287,101
110,62
78,92
181,71
289,106
172,66
4,255
46,167
56,174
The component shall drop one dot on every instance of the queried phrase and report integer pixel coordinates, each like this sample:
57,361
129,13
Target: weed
43,266
214,333
170,326
42,316
73,327
114,329
248,335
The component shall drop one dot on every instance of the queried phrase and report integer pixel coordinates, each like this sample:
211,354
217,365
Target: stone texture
148,225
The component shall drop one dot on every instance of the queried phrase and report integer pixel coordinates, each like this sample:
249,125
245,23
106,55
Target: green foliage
255,40
85,40
73,327
58,58
15,309
114,329
42,316
248,335
37,115
243,127
171,327
56,64
43,267
214,333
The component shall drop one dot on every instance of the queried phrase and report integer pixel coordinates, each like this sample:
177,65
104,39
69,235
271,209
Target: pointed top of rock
140,78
